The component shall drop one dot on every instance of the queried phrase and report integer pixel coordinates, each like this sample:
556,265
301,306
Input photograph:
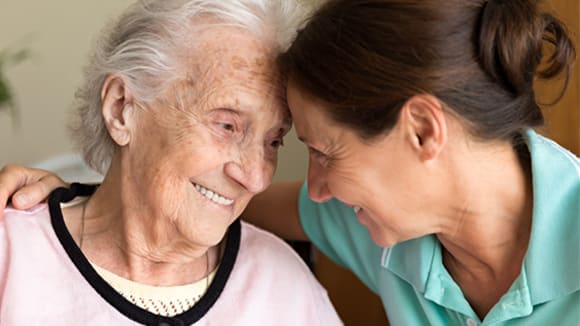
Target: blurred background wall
58,34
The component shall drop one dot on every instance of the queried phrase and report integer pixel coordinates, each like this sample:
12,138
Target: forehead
231,57
227,64
236,51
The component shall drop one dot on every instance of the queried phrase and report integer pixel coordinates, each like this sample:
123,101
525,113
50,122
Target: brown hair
366,58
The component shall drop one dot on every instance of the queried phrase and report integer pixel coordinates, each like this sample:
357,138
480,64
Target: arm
276,210
26,186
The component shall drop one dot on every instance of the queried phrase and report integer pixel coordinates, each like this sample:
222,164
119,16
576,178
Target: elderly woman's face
211,142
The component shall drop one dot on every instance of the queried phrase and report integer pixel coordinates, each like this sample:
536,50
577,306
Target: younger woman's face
379,179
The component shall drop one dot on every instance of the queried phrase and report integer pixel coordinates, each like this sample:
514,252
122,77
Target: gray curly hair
141,48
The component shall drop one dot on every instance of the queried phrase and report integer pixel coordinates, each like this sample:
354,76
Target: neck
492,205
487,226
121,234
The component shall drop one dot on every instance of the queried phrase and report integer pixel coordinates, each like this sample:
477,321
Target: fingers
10,181
36,191
27,186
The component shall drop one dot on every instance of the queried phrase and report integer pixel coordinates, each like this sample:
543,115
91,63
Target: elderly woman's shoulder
25,233
268,270
13,218
270,248
268,274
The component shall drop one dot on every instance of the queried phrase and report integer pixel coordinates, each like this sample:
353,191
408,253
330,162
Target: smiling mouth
356,209
213,196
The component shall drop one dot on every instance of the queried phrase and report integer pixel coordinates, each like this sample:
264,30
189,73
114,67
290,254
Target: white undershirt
161,300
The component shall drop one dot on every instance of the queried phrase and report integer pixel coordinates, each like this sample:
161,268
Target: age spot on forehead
239,62
258,65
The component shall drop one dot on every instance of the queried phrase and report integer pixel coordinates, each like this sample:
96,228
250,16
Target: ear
117,109
424,125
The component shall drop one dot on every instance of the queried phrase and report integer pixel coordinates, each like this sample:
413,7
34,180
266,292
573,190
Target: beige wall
60,34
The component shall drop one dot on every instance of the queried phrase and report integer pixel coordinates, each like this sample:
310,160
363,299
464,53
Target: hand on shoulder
25,186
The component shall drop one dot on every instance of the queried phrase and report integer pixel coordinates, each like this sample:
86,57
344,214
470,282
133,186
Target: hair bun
511,40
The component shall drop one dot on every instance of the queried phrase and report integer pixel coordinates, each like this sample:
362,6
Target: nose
252,170
317,183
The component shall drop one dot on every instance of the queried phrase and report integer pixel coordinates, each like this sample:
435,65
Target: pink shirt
261,281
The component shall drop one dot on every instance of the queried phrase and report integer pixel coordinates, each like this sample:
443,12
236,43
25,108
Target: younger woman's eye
320,157
316,152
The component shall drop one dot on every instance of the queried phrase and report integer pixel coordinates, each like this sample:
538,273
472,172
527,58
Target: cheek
197,155
348,182
269,170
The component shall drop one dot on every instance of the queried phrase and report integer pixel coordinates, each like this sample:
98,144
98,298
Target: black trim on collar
62,195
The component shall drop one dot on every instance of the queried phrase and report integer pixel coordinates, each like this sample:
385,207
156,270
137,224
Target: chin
382,240
390,239
217,235
385,243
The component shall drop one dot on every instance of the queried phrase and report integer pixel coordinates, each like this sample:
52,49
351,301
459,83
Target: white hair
141,48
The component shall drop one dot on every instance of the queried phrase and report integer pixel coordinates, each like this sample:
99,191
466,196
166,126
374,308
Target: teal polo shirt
413,283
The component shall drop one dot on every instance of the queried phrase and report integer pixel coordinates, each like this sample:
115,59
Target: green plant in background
7,100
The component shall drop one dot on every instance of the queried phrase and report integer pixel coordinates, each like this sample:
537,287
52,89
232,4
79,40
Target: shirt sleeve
333,228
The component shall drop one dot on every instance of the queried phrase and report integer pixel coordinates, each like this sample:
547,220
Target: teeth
213,196
356,209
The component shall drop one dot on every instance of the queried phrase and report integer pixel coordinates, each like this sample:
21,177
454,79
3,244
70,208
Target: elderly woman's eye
277,143
227,126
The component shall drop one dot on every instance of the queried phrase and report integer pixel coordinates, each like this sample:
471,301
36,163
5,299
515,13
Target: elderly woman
183,111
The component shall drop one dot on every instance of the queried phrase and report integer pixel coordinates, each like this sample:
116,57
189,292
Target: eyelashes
232,131
230,127
316,152
319,156
277,143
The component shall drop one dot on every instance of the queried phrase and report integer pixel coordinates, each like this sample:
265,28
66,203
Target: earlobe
117,108
426,126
